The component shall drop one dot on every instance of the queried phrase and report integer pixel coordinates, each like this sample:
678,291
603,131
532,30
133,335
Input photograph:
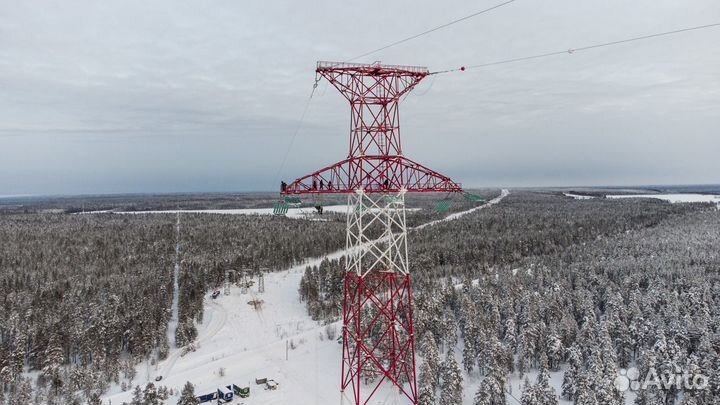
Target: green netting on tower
443,206
280,208
393,200
293,201
473,197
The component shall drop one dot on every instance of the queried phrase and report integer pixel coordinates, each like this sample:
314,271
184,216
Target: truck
225,394
241,392
271,385
207,397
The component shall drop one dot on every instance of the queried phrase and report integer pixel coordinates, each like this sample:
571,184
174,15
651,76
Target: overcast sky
176,95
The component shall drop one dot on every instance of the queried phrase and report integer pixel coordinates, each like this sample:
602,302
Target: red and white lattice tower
378,338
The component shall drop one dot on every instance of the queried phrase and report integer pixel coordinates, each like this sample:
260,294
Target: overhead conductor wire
298,127
573,50
439,27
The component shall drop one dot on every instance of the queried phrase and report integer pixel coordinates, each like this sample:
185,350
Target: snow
675,198
172,325
303,212
504,193
2,196
246,343
578,196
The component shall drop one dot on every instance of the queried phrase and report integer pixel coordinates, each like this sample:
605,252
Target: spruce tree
529,396
94,399
569,384
451,393
187,397
544,392
491,390
23,393
151,396
137,396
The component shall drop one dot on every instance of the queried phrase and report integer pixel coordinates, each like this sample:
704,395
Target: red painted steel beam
375,161
373,174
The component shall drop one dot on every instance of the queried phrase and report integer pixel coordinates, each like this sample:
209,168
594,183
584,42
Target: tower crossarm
373,174
375,161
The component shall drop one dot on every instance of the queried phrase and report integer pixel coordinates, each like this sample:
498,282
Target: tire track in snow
213,329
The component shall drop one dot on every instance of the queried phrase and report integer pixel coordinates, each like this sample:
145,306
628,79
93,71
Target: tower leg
378,337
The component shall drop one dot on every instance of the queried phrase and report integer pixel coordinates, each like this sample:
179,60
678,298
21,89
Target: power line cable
297,128
573,50
513,396
439,27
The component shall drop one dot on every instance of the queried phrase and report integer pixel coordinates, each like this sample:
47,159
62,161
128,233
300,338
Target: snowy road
504,193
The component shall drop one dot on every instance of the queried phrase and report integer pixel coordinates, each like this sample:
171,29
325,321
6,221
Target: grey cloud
193,96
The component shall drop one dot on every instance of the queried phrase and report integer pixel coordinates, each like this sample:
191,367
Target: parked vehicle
208,397
225,394
271,385
241,392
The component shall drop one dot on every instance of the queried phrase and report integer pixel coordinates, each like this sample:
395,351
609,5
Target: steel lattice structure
378,335
375,161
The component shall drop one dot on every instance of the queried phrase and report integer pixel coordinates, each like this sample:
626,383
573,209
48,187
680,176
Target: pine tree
430,370
53,361
426,395
427,384
569,384
23,393
585,394
468,354
137,396
451,393
554,350
529,396
94,399
162,392
151,396
187,397
450,331
544,392
18,355
509,338
491,391
470,334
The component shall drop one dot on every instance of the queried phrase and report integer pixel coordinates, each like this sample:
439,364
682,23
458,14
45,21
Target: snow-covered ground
174,309
578,196
247,343
504,193
237,343
302,212
675,198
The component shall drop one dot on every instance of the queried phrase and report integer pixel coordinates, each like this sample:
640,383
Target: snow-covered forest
85,298
541,290
544,283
